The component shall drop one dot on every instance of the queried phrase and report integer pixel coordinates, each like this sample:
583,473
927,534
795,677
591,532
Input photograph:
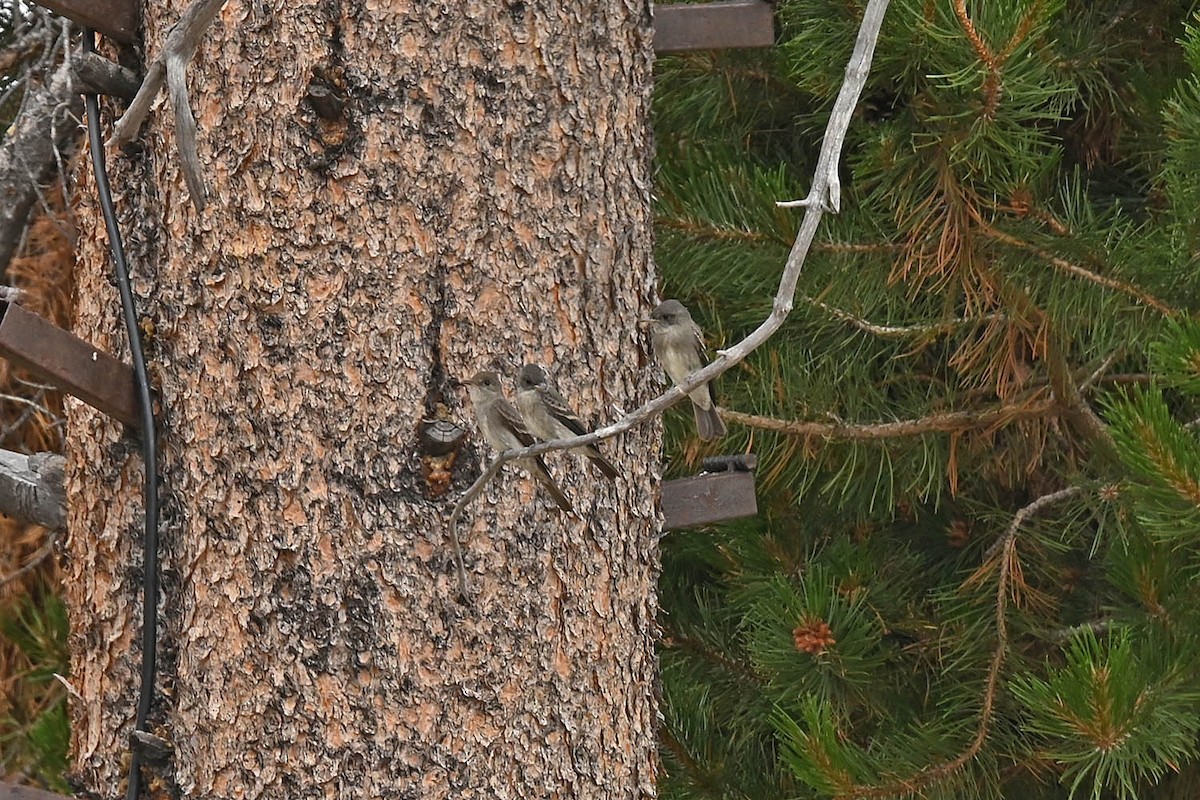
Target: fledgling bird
548,416
679,347
502,426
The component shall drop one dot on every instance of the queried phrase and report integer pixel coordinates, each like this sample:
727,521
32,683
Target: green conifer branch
1003,557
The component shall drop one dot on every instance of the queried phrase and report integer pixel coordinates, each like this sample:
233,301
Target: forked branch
170,66
1002,555
823,195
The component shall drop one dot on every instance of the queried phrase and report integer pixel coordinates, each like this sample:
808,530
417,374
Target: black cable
149,445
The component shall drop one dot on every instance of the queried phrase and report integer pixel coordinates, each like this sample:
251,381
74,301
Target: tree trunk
397,200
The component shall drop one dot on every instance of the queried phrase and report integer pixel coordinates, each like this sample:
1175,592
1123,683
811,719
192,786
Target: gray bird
679,347
548,416
502,426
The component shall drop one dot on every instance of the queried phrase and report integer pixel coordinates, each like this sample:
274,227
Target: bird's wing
701,348
514,420
556,404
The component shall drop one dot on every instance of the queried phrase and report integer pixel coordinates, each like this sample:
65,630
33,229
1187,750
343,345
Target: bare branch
25,401
171,65
185,130
11,294
24,49
461,506
31,488
131,121
824,195
892,331
949,422
1100,370
1098,627
98,75
40,555
1028,511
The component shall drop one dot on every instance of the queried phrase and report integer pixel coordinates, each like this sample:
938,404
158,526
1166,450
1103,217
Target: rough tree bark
475,191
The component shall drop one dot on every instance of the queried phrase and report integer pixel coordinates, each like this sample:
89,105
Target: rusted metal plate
713,26
10,791
116,19
710,497
68,363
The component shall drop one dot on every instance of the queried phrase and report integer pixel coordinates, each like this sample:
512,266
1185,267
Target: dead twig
897,331
949,422
170,66
40,555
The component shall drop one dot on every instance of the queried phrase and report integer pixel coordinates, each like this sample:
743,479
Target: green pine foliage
1117,712
34,731
973,571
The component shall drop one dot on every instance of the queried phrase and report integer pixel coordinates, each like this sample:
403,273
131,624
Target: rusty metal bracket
116,19
68,363
724,491
679,27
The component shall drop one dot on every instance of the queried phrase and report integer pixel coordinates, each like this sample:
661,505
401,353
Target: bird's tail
538,468
603,464
709,424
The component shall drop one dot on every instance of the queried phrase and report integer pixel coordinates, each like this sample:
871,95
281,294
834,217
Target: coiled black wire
145,407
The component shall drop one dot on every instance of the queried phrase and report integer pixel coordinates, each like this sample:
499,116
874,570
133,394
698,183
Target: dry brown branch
1062,382
34,561
949,422
170,65
896,331
993,83
1004,556
1080,272
712,232
717,233
824,195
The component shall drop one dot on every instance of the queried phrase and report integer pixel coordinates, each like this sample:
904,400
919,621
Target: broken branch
170,66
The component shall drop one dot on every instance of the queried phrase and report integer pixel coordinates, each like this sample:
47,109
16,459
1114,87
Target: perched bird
679,348
548,416
502,426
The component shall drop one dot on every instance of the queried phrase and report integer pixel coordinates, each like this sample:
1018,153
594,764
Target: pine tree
979,470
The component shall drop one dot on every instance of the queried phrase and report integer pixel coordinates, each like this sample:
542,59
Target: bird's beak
645,323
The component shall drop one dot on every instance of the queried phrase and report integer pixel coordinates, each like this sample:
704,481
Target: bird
679,347
504,429
548,416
